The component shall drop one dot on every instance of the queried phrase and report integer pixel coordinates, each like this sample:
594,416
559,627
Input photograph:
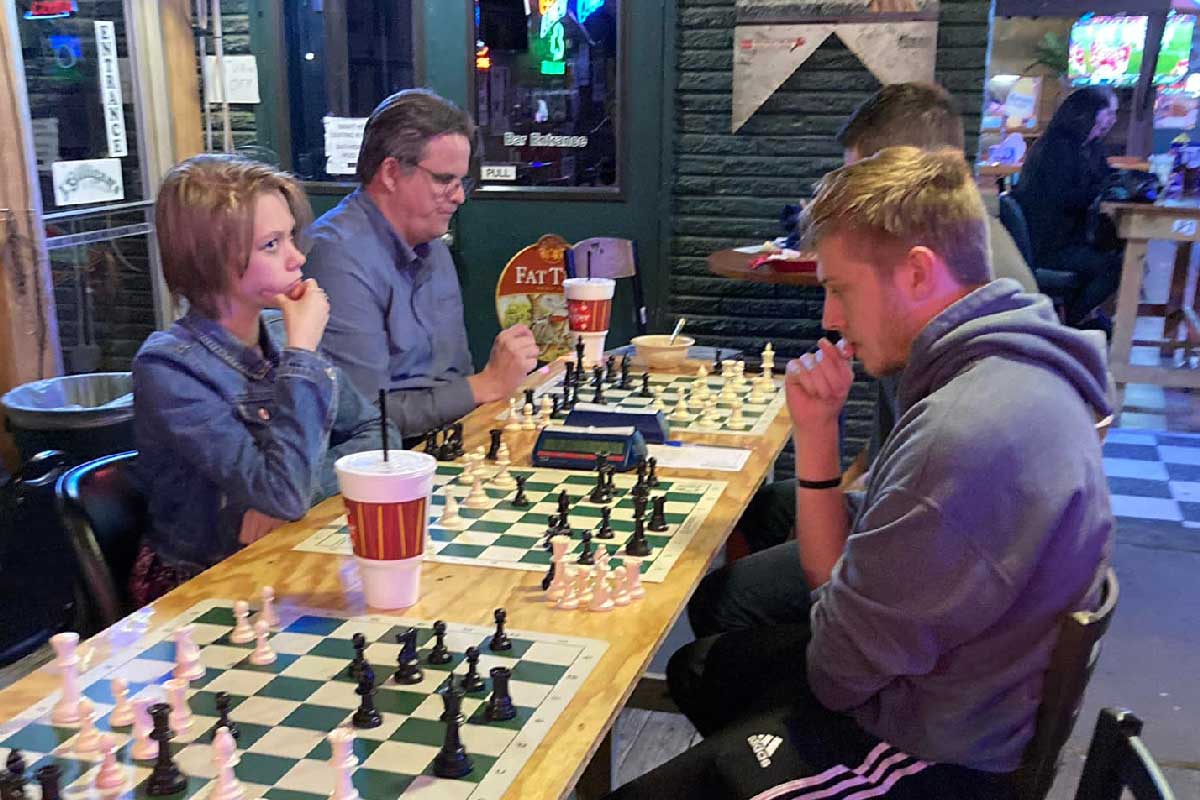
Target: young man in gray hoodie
985,519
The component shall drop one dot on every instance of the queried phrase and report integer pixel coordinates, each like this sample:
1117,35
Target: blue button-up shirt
221,428
396,315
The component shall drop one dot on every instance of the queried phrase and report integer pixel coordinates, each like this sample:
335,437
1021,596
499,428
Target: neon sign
51,9
585,8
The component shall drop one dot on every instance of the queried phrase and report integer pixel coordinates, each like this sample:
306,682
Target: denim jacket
221,429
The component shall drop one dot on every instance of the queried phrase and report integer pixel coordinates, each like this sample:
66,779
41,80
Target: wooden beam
183,78
1077,8
28,324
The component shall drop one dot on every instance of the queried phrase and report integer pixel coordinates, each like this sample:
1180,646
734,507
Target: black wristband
832,483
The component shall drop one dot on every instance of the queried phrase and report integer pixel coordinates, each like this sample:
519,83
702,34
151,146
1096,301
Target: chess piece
529,397
652,473
366,715
242,633
165,778
359,643
263,654
598,394
645,392
514,416
500,640
440,654
545,412
343,761
583,588
503,480
681,413
620,595
568,600
657,405
471,682
144,746
633,578
500,705
527,421
585,552
477,497
122,713
268,607
452,760
601,599
736,420
66,710
12,782
493,452
49,778
605,531
599,494
519,499
181,713
658,515
88,740
110,779
637,544
558,582
187,655
467,476
222,702
450,519
579,348
409,671
224,757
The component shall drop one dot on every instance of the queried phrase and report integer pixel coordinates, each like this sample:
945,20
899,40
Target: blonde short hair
204,218
903,197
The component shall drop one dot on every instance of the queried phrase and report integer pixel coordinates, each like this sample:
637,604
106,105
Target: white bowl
654,351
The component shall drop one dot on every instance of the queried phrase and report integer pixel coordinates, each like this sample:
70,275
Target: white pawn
558,583
701,373
601,598
66,710
708,418
583,588
450,518
736,420
224,757
620,590
569,601
681,413
657,405
111,777
477,498
180,717
263,654
122,713
467,476
503,480
88,740
546,412
242,632
527,421
633,577
187,655
514,415
267,611
144,748
341,758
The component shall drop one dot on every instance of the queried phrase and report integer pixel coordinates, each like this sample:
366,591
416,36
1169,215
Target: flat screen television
1108,49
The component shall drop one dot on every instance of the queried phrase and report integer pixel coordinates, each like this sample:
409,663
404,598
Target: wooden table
736,265
1137,224
467,594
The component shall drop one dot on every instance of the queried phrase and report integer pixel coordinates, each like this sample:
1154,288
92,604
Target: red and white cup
387,504
589,310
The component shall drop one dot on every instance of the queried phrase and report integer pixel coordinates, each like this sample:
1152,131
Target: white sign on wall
241,79
45,141
95,180
110,88
343,139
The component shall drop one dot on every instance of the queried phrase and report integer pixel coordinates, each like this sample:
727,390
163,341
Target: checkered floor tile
1154,476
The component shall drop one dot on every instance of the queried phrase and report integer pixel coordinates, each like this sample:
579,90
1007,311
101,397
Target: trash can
84,416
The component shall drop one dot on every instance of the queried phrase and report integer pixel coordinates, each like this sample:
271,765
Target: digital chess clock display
580,444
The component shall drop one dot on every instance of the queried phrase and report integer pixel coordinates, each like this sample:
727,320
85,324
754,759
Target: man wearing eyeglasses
396,309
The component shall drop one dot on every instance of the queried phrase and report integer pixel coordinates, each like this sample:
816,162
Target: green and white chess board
756,418
285,710
503,535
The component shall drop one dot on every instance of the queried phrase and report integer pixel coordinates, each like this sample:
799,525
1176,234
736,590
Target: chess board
756,418
286,709
505,536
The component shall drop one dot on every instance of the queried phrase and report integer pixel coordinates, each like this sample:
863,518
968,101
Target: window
547,89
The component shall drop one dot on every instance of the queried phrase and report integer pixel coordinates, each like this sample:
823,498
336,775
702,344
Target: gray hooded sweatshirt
986,518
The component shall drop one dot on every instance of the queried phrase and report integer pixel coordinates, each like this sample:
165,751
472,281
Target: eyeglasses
445,183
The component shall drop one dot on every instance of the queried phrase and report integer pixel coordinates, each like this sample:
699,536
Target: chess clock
576,447
649,423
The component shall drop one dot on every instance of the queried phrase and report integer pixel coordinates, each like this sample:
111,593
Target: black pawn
610,369
548,578
519,499
639,504
585,553
49,778
717,365
500,640
658,515
652,475
564,502
446,448
599,494
605,530
165,778
452,760
645,392
529,399
641,471
552,530
366,715
637,545
494,450
568,375
471,682
409,670
440,654
221,700
500,704
360,644
597,376
598,394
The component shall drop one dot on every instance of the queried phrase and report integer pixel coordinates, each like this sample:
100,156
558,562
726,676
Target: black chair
106,516
1071,665
38,572
1117,760
1055,284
